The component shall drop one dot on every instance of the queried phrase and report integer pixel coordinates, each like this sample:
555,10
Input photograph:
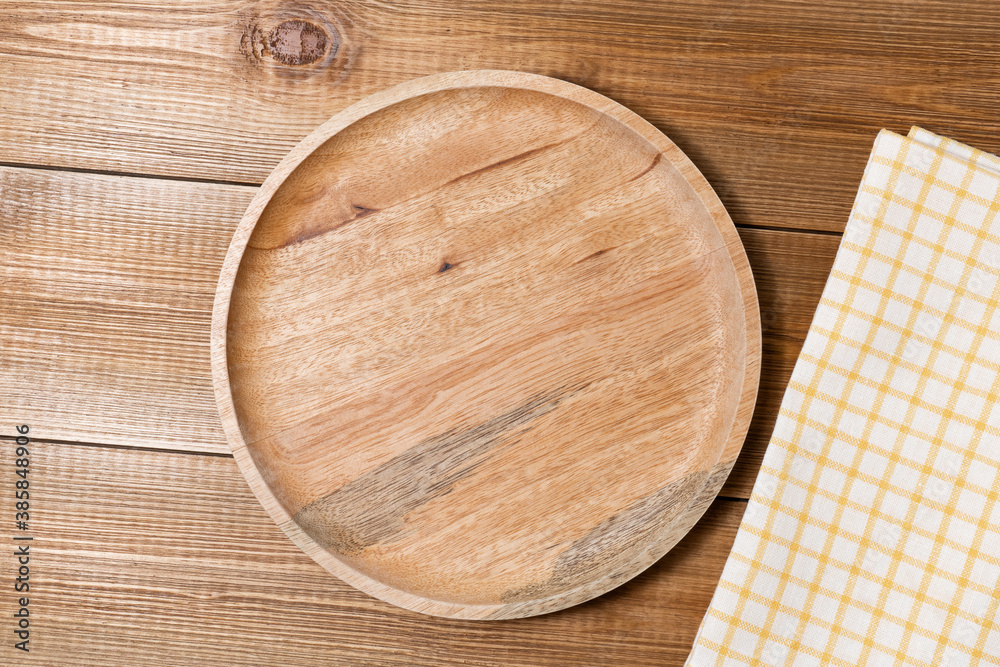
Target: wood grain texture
159,558
68,364
776,101
106,288
458,308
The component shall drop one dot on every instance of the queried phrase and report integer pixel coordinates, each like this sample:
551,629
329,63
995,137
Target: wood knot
294,42
297,42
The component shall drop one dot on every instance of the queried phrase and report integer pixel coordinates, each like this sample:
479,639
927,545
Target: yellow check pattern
872,536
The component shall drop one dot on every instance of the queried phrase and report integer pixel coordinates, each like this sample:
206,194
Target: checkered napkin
872,536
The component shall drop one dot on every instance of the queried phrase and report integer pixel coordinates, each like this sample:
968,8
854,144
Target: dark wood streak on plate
346,520
520,157
621,538
318,227
359,212
645,559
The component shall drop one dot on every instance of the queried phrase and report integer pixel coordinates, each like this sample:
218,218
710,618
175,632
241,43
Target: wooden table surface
133,135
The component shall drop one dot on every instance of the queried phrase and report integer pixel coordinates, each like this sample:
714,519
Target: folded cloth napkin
872,536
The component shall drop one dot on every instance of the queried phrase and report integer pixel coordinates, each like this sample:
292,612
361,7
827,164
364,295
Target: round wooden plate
486,344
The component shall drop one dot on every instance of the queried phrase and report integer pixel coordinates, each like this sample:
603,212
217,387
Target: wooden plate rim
377,102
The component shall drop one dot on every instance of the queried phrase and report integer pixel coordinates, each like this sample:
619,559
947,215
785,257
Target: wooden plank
161,558
107,286
777,102
790,270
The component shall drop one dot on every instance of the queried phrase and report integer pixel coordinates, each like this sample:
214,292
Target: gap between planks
249,184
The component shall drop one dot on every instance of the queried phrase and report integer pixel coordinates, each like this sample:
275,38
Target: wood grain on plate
486,344
167,559
125,361
776,101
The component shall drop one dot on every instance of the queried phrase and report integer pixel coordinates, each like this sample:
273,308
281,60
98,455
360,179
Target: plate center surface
478,345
